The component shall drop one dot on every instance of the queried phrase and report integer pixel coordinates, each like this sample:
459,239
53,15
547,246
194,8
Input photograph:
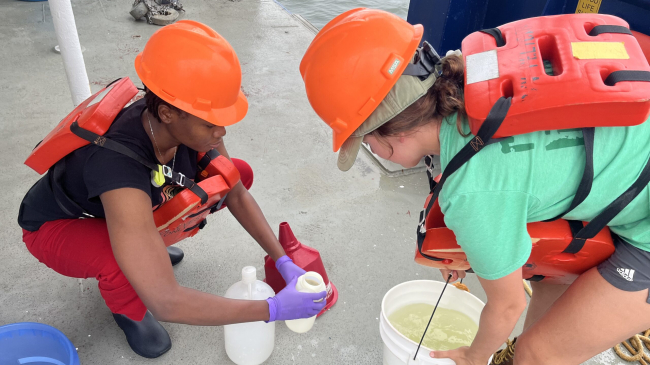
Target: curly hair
443,98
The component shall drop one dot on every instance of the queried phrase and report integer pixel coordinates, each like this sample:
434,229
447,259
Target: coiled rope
636,347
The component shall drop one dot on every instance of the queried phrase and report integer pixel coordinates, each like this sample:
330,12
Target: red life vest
180,217
596,75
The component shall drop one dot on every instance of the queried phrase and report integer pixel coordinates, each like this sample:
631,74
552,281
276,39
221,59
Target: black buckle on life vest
425,63
427,57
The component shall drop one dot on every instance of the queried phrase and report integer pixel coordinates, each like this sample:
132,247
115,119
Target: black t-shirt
93,170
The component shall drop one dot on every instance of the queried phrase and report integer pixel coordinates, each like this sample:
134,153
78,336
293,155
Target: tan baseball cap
405,92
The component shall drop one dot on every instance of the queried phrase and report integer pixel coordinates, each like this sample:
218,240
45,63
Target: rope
505,355
636,348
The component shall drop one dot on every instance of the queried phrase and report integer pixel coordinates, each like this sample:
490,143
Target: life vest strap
107,143
496,33
483,138
584,188
428,161
173,176
67,205
536,278
198,191
611,211
600,29
627,75
201,223
576,243
207,158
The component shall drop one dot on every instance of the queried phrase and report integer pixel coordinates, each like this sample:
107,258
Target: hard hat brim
230,115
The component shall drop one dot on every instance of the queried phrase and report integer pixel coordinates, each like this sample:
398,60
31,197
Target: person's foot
505,356
147,338
175,254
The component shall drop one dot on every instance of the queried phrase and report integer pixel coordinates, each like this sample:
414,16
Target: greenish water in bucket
449,329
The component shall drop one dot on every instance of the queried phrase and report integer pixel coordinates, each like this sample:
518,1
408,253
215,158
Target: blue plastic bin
35,344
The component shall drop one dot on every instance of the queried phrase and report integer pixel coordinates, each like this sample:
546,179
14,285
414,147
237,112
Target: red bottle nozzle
302,256
287,239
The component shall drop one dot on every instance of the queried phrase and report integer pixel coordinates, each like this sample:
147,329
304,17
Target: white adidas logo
628,274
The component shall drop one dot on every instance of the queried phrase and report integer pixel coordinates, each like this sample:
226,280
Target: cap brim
348,153
230,115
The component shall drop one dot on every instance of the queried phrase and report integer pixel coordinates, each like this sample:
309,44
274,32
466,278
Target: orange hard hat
352,64
193,68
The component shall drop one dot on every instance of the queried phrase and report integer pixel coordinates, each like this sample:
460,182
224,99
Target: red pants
80,248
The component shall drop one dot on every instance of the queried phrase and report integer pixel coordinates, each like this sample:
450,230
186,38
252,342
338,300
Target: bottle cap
248,274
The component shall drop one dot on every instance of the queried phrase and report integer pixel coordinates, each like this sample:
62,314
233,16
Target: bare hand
455,274
461,356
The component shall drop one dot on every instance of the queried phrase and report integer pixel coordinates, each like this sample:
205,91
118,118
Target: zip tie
434,312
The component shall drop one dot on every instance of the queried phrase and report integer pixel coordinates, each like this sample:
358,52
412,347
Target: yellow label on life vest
599,51
588,6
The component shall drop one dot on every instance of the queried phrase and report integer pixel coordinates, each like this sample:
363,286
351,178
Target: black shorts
628,268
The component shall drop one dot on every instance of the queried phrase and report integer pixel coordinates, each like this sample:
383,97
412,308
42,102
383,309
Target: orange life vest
547,260
591,55
596,75
184,215
180,217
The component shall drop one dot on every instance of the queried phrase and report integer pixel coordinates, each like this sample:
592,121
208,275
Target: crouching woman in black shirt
193,80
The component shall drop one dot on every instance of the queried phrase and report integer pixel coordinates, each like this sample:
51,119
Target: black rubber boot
175,254
147,338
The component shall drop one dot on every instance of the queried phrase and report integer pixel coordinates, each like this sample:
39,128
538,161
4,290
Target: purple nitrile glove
292,304
288,269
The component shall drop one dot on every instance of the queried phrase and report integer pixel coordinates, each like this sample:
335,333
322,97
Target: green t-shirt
533,177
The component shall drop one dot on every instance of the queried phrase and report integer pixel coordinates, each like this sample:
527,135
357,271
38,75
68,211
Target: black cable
434,312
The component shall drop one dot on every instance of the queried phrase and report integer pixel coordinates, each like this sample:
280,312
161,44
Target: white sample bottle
249,343
310,282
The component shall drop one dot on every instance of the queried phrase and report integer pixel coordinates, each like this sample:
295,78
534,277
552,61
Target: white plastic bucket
399,350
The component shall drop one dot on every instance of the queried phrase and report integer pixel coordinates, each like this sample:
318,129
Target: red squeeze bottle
304,257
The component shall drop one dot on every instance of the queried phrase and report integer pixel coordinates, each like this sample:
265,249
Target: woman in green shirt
353,76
